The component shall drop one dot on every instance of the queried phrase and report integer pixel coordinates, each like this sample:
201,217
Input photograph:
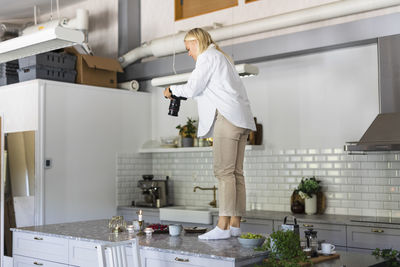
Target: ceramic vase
311,205
187,142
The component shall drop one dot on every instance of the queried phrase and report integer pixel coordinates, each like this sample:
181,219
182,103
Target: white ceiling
20,9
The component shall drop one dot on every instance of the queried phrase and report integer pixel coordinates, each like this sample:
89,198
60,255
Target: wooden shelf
189,149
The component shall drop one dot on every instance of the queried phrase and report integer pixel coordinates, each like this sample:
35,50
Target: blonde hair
204,39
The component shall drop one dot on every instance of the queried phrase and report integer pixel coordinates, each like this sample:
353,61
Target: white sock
235,231
216,233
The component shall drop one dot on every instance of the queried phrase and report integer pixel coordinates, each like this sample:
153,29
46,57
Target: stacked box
8,72
49,66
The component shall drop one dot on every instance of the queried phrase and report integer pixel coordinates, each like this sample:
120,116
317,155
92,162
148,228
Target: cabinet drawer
21,261
373,237
83,253
257,226
41,247
331,233
152,258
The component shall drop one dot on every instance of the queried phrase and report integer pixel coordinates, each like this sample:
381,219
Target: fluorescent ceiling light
244,70
39,42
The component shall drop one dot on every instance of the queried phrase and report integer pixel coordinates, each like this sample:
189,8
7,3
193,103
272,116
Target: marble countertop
383,222
185,244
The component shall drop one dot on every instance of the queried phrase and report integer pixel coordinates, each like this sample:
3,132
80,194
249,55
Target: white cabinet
79,129
20,261
40,247
151,258
82,253
372,237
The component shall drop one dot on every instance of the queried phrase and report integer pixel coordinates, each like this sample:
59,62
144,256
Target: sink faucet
213,203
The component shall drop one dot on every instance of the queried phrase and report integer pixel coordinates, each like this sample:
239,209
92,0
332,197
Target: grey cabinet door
373,237
257,226
330,233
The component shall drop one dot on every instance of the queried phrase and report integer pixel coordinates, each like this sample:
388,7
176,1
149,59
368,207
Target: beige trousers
228,148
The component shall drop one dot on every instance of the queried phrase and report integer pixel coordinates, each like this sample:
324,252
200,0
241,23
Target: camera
174,105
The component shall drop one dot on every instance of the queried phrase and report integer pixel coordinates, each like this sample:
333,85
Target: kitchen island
75,244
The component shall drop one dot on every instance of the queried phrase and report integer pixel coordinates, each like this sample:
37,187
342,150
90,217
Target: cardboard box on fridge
93,70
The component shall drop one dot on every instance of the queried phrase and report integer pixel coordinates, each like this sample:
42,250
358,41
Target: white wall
319,100
103,24
157,17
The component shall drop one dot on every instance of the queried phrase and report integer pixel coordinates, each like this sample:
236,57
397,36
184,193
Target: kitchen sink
188,214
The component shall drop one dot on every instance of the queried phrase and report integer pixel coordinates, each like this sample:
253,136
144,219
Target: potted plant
285,250
308,190
391,257
187,132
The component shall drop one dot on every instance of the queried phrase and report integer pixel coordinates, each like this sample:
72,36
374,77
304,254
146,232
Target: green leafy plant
189,129
308,187
391,255
285,250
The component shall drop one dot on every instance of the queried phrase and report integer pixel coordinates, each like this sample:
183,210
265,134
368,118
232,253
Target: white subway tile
313,151
354,180
354,165
326,165
313,165
347,188
319,158
301,165
333,158
296,172
307,158
339,165
394,165
367,165
391,205
361,204
333,173
355,212
369,212
383,213
290,152
295,158
347,203
368,196
375,204
383,197
375,189
290,165
369,181
338,151
307,172
320,173
326,151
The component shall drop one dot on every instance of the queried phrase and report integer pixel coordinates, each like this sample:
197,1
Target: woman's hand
167,93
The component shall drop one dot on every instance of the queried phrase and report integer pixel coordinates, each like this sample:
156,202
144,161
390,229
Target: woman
224,112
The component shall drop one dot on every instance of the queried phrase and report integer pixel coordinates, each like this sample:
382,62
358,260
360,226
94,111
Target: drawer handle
243,220
377,230
38,238
37,263
181,260
308,225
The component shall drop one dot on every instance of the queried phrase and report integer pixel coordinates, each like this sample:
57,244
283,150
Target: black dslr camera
174,105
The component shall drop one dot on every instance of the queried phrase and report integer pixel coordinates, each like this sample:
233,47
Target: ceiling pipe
174,43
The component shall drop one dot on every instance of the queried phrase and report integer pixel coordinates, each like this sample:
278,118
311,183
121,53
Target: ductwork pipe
174,43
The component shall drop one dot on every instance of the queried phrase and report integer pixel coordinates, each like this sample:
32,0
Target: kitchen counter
367,221
185,244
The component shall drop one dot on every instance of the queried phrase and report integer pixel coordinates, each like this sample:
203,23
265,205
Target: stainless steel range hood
384,132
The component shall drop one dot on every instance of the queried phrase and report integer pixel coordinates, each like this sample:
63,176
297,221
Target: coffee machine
155,192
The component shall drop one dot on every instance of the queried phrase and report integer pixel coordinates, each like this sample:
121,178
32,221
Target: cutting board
319,259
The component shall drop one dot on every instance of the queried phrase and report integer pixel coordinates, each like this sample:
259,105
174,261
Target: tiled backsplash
367,185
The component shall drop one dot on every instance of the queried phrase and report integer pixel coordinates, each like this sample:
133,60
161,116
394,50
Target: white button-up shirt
216,85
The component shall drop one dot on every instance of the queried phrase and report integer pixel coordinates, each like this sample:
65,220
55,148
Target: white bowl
251,243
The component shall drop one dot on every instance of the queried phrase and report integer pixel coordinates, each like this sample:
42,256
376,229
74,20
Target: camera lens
174,107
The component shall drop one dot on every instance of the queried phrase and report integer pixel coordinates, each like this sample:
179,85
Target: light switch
48,163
